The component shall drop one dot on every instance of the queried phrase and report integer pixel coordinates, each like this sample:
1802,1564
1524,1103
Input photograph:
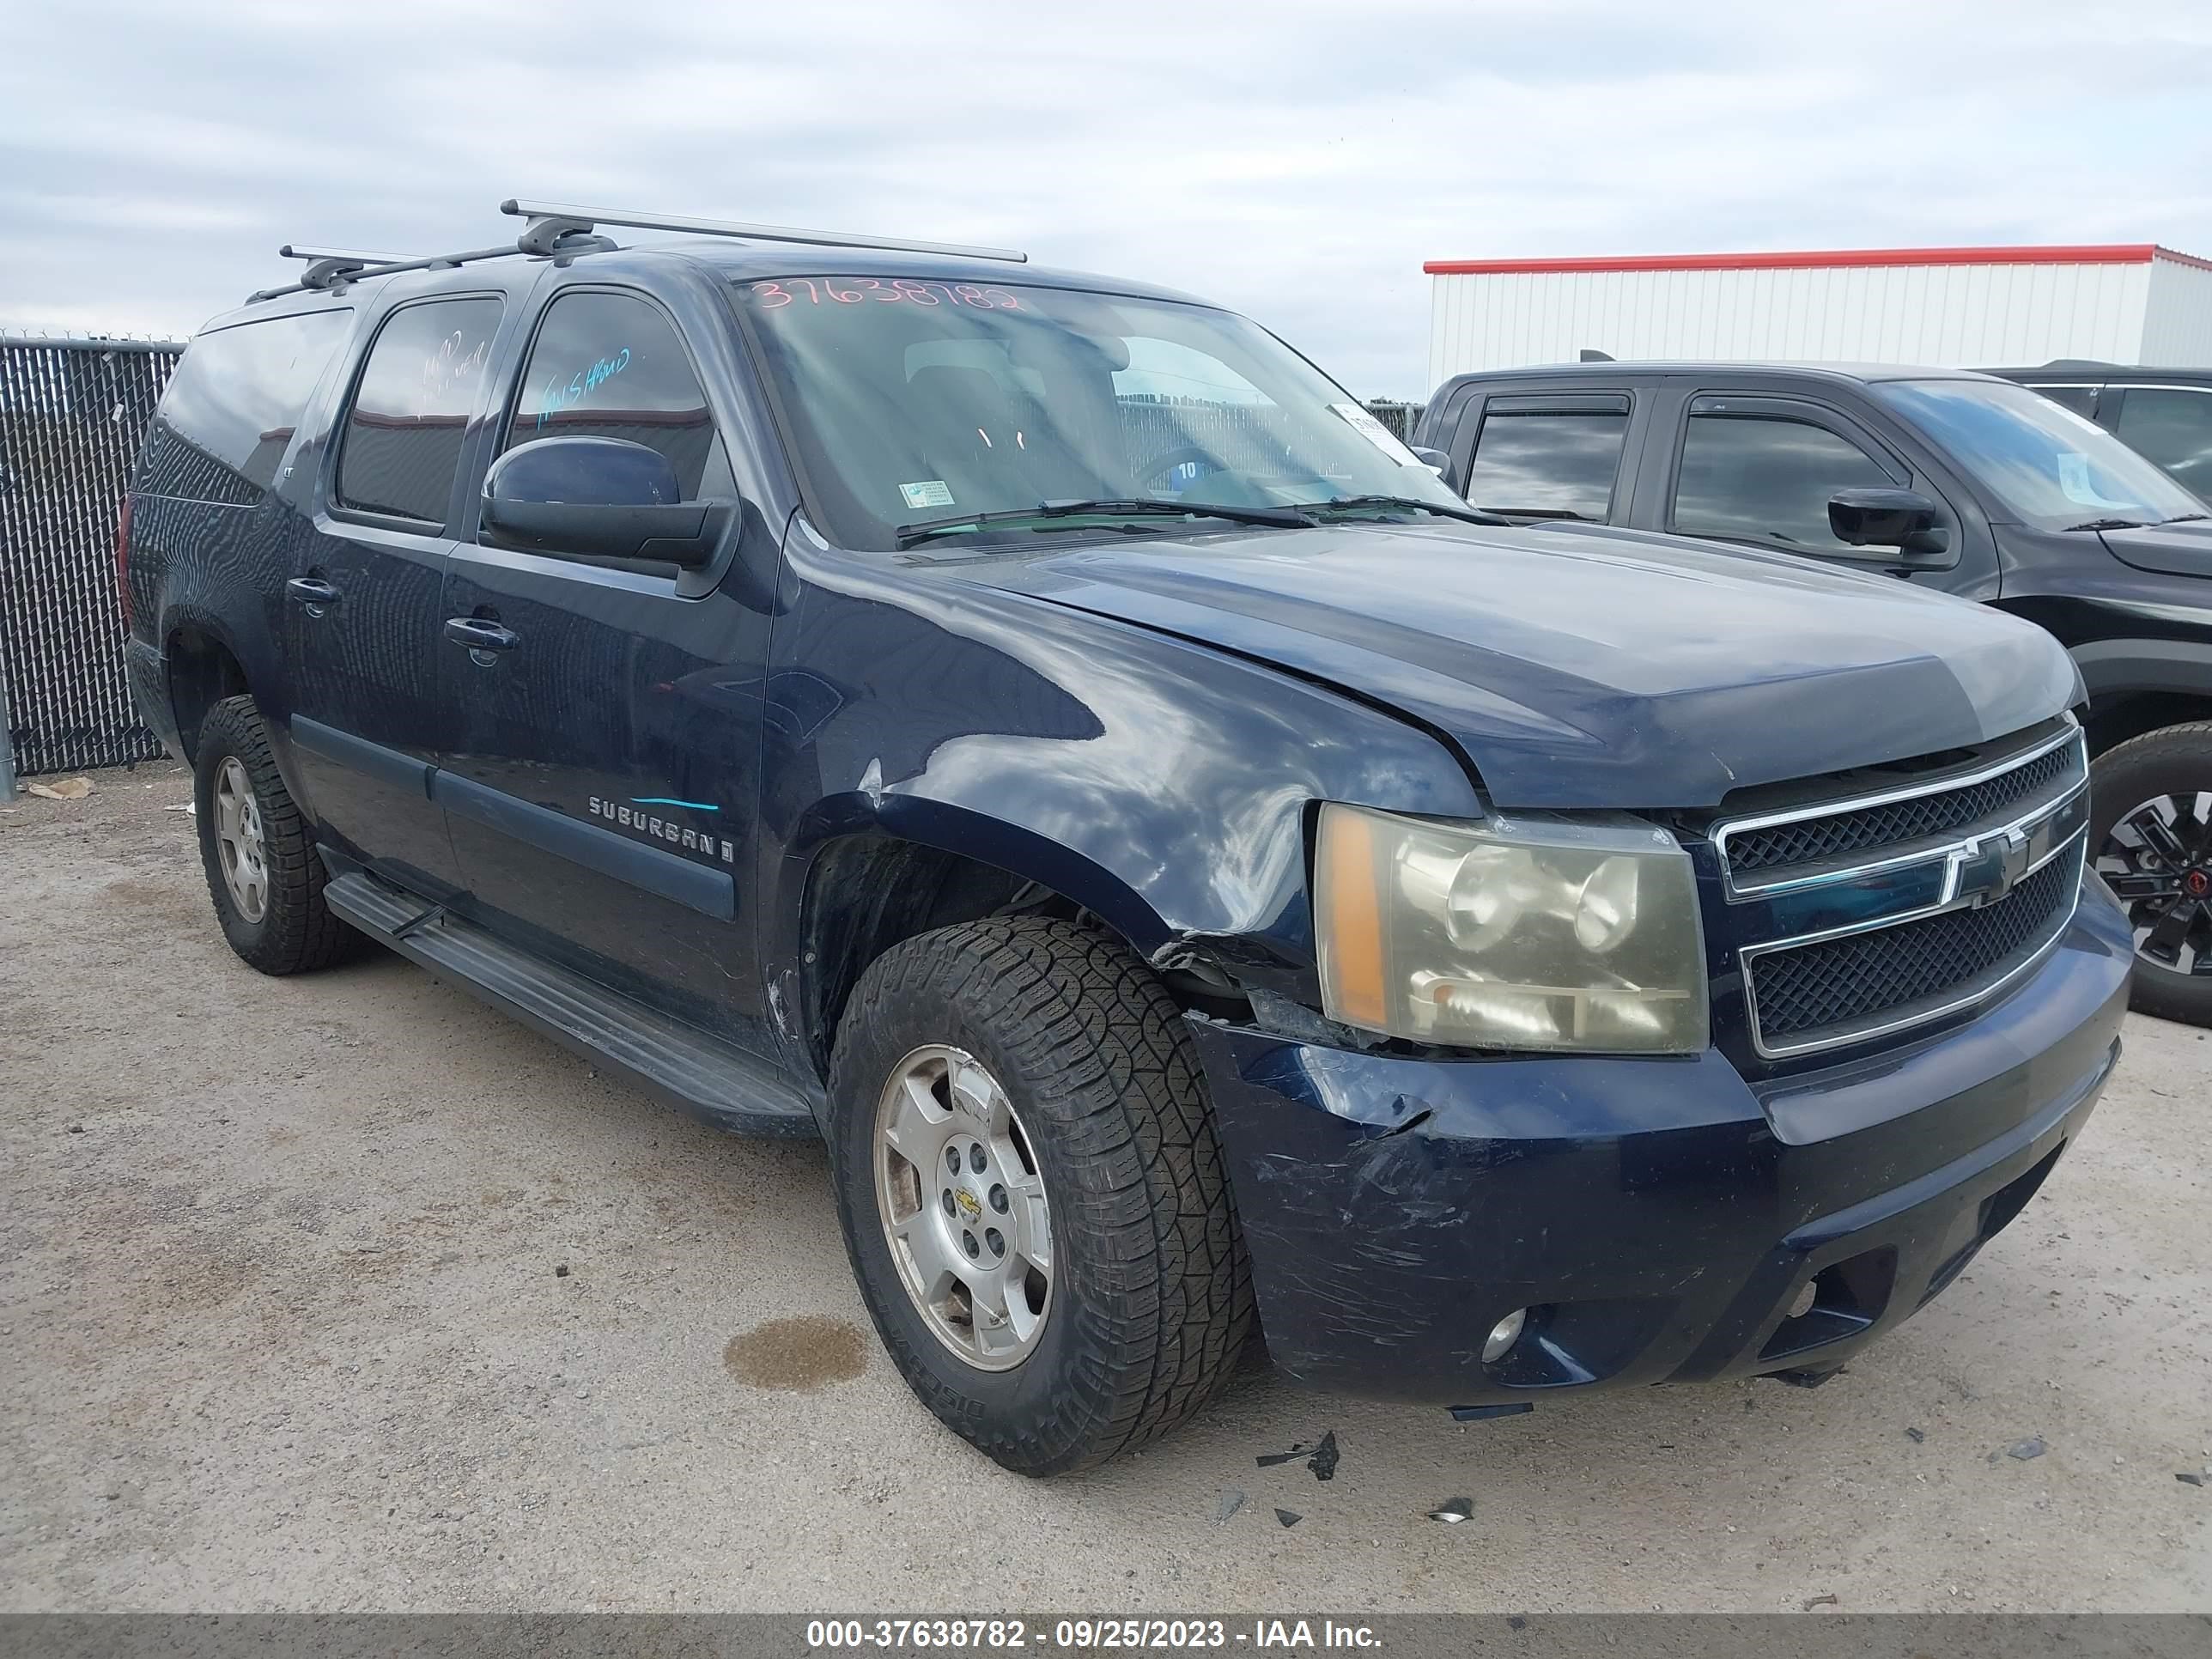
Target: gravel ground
344,1292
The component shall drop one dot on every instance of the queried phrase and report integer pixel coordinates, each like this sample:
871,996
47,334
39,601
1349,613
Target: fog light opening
1503,1335
1807,1296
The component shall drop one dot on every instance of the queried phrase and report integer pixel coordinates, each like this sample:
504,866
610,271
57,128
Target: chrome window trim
1738,891
2078,841
2155,385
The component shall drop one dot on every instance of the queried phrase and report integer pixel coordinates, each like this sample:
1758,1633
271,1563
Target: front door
1757,468
602,786
361,606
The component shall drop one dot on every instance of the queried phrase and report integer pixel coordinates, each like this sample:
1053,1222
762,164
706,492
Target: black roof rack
328,264
557,230
549,214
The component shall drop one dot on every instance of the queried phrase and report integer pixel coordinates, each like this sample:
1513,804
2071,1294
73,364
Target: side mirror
599,498
1436,460
1903,518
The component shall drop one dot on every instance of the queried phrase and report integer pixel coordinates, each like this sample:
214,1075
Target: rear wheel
1032,1195
2152,831
262,870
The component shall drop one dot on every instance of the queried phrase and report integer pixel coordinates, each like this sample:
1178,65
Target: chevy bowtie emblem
1992,866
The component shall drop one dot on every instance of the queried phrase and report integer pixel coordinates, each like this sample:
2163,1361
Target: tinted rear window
410,412
1550,464
233,405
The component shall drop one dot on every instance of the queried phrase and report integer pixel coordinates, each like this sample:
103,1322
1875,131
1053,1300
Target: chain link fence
72,413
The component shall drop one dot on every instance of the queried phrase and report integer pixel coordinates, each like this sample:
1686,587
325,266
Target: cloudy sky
1297,161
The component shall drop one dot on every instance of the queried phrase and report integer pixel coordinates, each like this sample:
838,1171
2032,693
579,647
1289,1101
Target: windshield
913,403
2051,466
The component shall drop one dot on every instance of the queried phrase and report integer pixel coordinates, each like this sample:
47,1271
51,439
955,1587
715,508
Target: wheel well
869,892
202,673
2114,720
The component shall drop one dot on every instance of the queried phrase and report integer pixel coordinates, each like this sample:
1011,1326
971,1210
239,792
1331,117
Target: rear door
1552,455
361,606
603,780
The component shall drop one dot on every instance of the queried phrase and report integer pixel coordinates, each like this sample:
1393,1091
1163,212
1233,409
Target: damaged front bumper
1660,1219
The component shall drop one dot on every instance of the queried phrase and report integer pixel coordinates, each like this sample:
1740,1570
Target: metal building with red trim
2129,302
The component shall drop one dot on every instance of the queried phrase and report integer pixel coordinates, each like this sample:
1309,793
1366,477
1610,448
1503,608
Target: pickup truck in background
1943,479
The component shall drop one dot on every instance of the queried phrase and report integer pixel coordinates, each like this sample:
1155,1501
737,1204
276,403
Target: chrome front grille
1872,912
1894,823
1835,984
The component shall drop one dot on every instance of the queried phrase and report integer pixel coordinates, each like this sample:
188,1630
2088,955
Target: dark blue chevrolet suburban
1198,877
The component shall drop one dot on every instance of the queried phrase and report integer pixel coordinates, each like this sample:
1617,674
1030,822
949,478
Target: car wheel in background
2150,832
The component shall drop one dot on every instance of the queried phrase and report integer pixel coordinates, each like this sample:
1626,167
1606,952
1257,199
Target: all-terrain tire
296,932
1151,1296
2176,761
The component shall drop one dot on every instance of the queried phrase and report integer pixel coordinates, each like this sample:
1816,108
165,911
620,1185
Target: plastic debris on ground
2023,1449
2190,1478
1324,1459
1916,1436
67,789
1288,1517
1230,1503
1453,1510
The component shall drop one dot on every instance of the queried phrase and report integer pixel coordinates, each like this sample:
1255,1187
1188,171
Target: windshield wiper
1468,514
2185,518
2108,524
1283,518
1509,514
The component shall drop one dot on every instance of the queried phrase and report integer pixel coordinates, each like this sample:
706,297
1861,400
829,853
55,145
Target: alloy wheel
962,1206
2158,862
239,848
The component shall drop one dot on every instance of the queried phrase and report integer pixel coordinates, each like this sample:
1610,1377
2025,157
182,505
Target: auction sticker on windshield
933,492
1376,432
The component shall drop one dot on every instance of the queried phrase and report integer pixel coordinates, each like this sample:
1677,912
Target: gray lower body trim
388,766
2145,666
695,886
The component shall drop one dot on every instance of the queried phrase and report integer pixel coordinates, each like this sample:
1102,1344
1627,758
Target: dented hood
1581,667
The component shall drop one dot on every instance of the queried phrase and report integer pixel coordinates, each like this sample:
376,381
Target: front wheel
2152,831
1033,1201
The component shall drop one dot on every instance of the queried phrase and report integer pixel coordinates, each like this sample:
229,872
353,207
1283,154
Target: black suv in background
2165,414
1039,733
1946,479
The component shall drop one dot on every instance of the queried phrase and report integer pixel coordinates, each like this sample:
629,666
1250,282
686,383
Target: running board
710,1080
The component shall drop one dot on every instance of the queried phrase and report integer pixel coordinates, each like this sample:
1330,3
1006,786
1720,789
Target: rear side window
410,412
611,366
233,405
2173,427
1767,478
1547,462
